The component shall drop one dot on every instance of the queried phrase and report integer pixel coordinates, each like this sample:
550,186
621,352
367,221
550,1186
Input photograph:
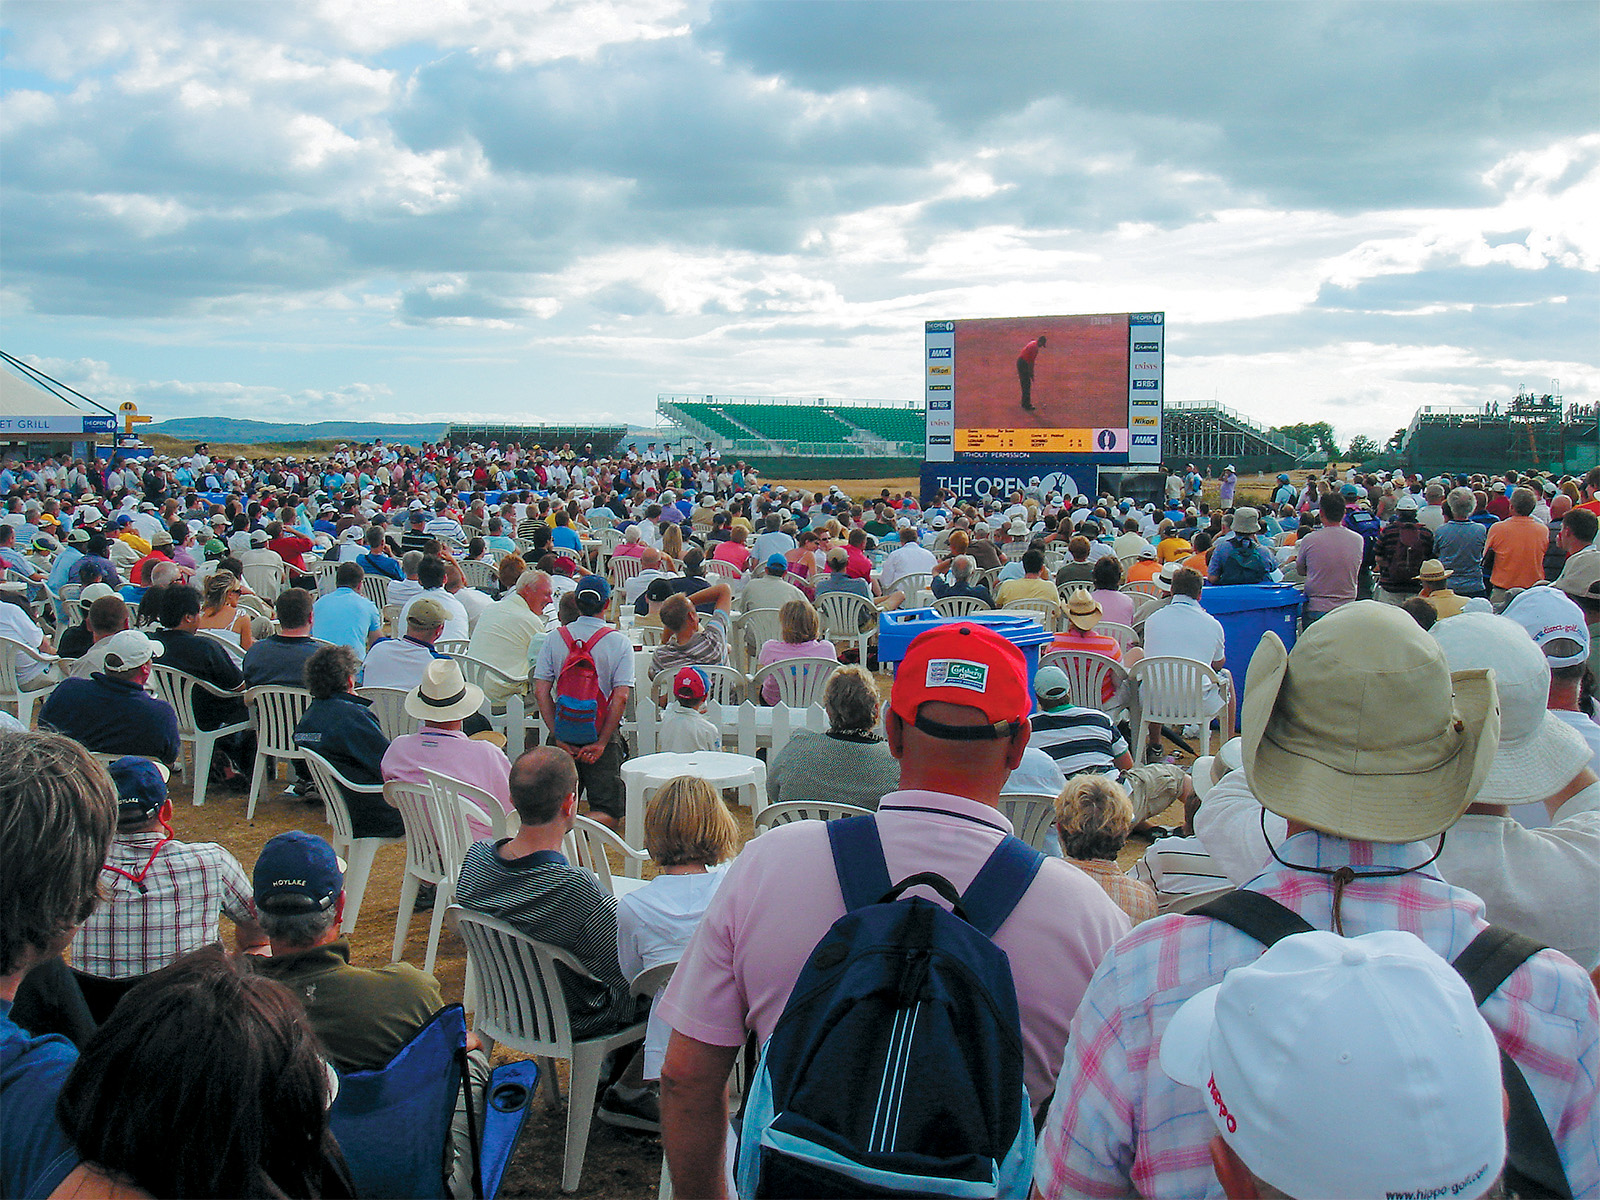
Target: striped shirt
561,906
187,889
1119,1125
1079,739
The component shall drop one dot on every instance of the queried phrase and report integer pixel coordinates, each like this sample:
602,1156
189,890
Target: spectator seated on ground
110,712
1093,819
527,882
340,726
162,898
687,639
280,659
105,614
58,817
684,726
801,638
1179,865
690,836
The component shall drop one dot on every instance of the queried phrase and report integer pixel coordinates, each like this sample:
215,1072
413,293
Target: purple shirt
1330,559
777,650
781,895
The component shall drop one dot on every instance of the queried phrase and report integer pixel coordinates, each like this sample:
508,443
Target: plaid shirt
1119,1125
188,886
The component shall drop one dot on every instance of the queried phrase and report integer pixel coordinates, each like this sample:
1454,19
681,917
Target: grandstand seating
711,416
891,424
793,424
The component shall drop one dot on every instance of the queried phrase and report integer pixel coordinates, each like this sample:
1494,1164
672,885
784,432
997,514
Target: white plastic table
642,776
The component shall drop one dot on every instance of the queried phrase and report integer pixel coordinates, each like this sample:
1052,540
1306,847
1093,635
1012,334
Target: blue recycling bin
899,627
1248,611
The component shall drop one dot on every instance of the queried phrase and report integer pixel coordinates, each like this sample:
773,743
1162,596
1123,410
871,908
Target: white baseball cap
1352,1067
130,650
1549,615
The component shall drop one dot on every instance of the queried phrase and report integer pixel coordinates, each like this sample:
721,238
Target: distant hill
234,431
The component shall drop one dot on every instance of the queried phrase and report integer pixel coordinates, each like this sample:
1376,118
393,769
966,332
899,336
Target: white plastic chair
11,692
521,1004
325,572
1126,635
800,680
505,716
376,588
757,626
843,614
725,685
275,711
478,574
1046,612
1172,691
1031,817
452,646
358,853
265,579
912,585
177,689
389,706
587,844
1086,674
786,811
437,839
715,567
1074,585
1143,587
959,606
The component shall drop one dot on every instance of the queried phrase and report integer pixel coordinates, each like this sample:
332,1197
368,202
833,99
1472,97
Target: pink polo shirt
781,894
451,752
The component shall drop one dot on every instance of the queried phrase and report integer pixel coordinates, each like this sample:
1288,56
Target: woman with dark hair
209,1082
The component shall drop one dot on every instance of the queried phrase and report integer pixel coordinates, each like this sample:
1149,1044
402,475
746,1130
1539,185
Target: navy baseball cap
596,584
297,872
141,786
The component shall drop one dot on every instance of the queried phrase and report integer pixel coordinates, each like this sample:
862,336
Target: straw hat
1083,610
1363,732
1432,571
444,693
1538,754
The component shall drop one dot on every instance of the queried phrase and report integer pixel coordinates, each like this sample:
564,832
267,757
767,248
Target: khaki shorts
1153,788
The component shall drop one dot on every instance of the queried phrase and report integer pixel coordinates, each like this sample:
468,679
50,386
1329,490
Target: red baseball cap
689,685
966,664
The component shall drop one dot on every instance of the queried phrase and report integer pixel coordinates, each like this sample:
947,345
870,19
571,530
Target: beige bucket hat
1363,732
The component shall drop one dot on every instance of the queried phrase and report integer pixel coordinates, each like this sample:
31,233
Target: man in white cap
110,712
1369,748
1556,624
1282,1048
1543,882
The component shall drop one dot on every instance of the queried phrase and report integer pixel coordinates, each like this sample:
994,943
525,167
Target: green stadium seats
891,424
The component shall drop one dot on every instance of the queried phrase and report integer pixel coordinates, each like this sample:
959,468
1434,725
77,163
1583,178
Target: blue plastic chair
394,1124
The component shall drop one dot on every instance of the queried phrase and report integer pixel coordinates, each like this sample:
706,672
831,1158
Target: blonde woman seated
690,835
851,762
1094,816
801,638
220,613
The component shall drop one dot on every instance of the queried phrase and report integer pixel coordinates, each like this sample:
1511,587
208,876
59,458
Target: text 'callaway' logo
958,672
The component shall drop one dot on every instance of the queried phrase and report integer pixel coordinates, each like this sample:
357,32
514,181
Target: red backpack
580,704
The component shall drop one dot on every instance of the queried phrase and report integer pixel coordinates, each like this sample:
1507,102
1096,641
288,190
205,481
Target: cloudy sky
535,209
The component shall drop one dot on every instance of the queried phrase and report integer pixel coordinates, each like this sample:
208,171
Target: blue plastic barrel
1248,611
899,627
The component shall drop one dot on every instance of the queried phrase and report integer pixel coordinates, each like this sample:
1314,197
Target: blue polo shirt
35,1155
345,617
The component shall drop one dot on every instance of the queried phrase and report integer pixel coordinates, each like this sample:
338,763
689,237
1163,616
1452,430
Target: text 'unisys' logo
1222,1109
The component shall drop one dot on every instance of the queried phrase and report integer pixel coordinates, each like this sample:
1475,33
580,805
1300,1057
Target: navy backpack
896,1068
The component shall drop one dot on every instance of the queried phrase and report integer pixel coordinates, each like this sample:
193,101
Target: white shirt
654,925
16,625
1182,629
475,602
685,730
910,559
456,624
1036,775
396,663
507,636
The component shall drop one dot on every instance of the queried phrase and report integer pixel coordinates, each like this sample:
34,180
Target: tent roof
20,397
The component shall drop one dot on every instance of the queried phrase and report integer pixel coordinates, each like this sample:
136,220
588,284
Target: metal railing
1286,444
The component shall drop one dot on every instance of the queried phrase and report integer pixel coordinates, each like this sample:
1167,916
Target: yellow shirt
1172,549
134,540
1028,589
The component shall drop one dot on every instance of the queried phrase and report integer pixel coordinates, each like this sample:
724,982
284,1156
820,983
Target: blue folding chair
394,1124
511,1086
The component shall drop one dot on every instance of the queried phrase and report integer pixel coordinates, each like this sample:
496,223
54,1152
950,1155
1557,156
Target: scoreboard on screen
1073,386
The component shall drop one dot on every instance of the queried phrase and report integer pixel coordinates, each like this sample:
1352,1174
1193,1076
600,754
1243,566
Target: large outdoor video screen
1046,385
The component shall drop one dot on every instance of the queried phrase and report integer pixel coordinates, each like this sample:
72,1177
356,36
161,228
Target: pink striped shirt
1119,1125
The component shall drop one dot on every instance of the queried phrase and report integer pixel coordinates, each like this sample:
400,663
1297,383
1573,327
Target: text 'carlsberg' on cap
965,664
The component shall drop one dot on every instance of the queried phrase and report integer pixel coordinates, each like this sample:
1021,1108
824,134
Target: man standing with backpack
1241,558
1402,549
582,680
958,724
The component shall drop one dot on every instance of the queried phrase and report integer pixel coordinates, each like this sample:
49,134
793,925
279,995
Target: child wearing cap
684,726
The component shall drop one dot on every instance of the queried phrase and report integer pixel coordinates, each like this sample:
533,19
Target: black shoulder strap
1533,1164
1261,917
